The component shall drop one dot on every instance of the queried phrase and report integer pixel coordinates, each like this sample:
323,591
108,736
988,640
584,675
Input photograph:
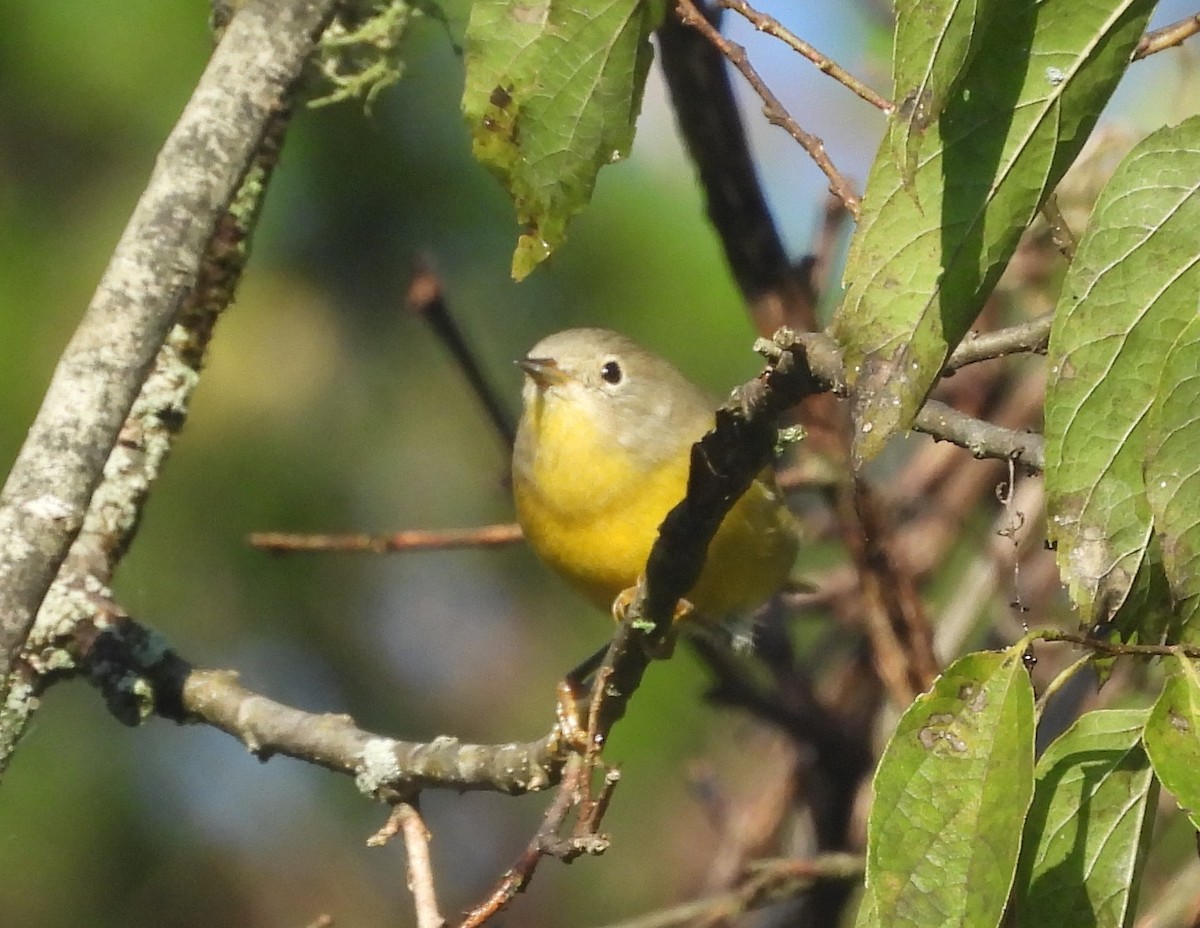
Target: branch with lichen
123,385
359,54
140,675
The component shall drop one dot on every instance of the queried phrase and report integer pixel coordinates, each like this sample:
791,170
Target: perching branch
723,464
155,266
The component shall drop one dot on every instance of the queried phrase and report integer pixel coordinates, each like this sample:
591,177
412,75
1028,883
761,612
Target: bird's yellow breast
591,509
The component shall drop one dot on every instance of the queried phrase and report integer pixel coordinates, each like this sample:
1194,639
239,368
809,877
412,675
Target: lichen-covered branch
140,676
154,268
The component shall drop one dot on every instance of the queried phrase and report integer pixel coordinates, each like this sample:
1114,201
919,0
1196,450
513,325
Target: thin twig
711,126
1060,232
1167,37
1026,337
774,111
771,26
983,439
517,877
427,299
484,536
420,868
765,882
1116,648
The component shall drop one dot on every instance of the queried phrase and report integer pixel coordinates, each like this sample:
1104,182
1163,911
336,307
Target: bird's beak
544,372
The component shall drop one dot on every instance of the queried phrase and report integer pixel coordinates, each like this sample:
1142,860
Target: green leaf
1089,825
927,254
935,39
1173,474
553,88
866,916
950,796
1129,293
1172,737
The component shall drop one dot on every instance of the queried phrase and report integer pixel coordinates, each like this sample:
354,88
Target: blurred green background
324,407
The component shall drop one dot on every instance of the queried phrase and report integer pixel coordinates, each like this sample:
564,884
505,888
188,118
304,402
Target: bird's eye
611,372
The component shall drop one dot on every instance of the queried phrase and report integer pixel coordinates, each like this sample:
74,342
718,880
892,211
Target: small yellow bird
602,455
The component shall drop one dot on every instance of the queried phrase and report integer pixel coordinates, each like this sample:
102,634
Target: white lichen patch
49,507
377,766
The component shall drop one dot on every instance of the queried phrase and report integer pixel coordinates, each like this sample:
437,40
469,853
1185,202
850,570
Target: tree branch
140,675
775,111
484,536
771,26
153,269
1027,337
982,439
1167,37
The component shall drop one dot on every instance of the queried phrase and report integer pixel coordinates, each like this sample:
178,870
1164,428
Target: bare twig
775,111
517,877
982,439
765,882
771,26
154,267
1026,337
484,536
711,125
427,299
1167,37
1115,648
420,869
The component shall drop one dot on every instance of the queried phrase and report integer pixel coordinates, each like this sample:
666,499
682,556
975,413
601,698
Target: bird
601,455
